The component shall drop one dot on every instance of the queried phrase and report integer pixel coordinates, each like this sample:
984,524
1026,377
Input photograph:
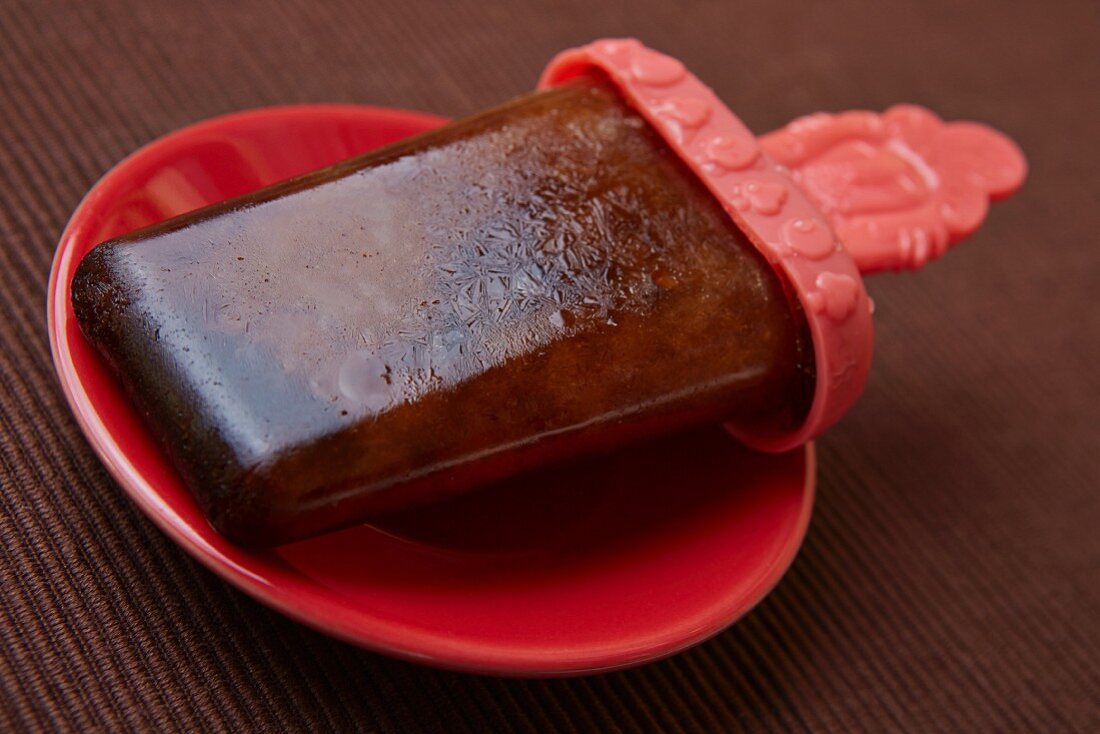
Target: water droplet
657,70
808,238
767,197
365,379
563,319
664,279
733,152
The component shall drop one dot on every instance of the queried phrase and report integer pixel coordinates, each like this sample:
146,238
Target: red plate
598,566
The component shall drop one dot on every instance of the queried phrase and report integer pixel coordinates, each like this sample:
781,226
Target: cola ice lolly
612,256
441,313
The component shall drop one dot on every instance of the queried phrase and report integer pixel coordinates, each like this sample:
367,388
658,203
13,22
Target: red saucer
603,565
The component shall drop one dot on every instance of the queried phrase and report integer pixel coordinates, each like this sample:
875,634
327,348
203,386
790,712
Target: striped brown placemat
951,577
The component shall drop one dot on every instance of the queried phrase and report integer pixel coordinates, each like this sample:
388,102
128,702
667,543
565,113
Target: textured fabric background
951,577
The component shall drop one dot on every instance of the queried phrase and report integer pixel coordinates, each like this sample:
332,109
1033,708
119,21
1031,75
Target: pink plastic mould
825,199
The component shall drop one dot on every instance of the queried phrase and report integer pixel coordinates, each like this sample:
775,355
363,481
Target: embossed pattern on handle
900,187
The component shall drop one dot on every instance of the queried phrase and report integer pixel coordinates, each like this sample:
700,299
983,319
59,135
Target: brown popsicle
539,281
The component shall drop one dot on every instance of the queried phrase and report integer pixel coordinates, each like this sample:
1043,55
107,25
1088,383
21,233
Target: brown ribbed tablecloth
951,577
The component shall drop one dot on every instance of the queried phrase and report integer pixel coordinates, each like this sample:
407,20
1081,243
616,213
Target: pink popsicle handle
899,187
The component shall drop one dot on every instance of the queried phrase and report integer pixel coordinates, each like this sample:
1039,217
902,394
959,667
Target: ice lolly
552,277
